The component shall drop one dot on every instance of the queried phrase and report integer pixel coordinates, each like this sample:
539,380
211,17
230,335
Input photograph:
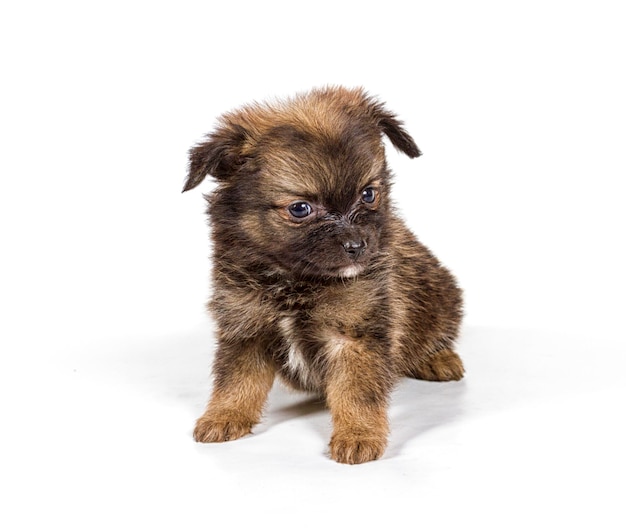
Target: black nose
354,248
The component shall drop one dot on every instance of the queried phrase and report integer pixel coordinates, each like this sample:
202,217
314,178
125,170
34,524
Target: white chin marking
351,271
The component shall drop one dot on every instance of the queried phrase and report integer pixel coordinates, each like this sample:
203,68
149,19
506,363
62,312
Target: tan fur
236,405
316,279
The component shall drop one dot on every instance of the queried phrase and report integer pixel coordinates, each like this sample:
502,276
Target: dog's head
302,184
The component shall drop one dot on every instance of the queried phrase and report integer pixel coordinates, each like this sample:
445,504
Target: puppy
316,279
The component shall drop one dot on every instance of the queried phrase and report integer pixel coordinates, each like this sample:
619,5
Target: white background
519,108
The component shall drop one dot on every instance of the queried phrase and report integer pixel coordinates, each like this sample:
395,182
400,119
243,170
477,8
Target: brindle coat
342,301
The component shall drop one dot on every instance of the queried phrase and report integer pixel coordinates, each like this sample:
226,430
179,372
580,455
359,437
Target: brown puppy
316,279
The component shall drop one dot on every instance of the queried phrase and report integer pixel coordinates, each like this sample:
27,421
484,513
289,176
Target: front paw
211,429
356,448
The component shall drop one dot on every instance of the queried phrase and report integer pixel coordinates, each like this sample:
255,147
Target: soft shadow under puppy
284,404
420,406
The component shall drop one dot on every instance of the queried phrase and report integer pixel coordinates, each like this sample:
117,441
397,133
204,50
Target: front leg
243,376
359,382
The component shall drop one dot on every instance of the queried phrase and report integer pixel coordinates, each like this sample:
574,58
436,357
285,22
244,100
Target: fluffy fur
316,279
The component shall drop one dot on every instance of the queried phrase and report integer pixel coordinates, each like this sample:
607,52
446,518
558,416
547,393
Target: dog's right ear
220,155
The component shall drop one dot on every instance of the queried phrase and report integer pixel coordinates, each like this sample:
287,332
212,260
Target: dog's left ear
394,129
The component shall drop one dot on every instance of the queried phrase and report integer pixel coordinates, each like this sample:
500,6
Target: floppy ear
393,128
220,155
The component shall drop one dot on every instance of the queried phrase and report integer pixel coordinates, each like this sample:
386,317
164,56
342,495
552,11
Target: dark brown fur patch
338,298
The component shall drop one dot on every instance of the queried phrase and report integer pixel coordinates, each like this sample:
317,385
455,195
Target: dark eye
300,209
368,195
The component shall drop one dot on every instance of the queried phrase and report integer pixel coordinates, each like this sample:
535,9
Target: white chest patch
295,361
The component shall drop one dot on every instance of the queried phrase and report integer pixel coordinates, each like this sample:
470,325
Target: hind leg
444,365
